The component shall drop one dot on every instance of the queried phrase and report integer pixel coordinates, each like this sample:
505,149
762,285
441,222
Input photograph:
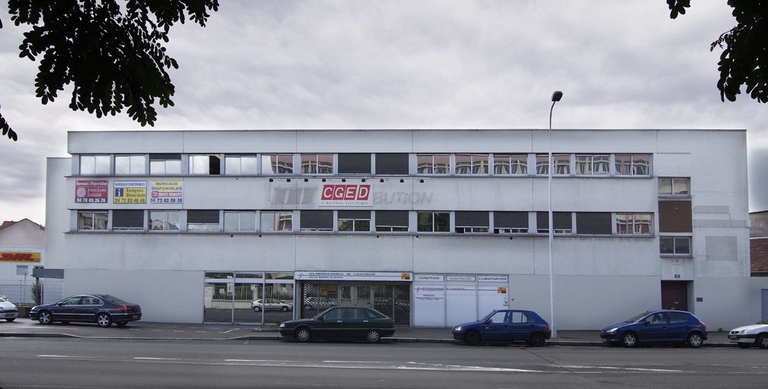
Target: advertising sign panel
129,192
166,192
91,191
349,195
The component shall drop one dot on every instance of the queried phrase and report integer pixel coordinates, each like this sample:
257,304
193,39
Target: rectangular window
394,164
316,221
317,164
354,221
510,222
392,221
127,220
433,163
593,223
472,163
164,164
95,165
203,221
434,222
674,186
472,222
510,164
205,165
675,216
354,164
276,164
92,220
275,221
126,165
562,221
593,165
634,224
562,164
164,220
239,221
241,165
675,245
633,164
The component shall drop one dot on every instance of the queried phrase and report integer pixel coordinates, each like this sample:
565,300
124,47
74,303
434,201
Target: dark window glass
354,163
392,221
472,219
125,220
593,223
511,219
202,216
317,220
392,164
562,221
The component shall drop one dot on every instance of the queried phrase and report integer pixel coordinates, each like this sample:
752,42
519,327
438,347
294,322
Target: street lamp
555,98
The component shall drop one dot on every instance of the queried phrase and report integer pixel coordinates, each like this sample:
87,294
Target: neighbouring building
431,227
22,250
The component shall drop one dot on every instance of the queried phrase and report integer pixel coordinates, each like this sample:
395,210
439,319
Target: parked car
8,310
356,323
751,335
662,326
505,325
101,309
270,305
319,303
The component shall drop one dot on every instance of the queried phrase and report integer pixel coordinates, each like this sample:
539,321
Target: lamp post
555,98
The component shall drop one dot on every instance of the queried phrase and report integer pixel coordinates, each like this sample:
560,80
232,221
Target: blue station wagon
505,325
662,326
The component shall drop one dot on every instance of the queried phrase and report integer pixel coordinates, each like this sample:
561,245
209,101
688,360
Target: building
22,249
432,227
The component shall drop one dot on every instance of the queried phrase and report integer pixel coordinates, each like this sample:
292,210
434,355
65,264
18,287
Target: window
239,221
593,223
392,221
562,164
633,164
433,163
203,221
317,163
510,222
316,221
675,216
127,220
130,165
674,186
634,224
434,222
276,164
675,245
354,221
240,165
164,164
510,164
92,220
206,165
593,165
354,164
274,221
472,222
164,220
562,222
472,163
94,165
392,164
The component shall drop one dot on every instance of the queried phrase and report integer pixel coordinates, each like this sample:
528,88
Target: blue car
662,326
505,325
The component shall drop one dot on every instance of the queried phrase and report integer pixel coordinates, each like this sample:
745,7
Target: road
100,363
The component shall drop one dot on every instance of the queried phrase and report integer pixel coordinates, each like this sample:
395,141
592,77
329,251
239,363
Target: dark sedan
662,326
101,309
356,323
505,325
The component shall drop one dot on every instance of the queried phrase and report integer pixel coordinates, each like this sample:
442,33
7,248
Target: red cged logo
346,192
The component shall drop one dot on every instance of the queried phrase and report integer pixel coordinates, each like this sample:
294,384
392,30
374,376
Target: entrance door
674,295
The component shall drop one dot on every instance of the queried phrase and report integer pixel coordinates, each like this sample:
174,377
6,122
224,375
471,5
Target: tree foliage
110,51
744,60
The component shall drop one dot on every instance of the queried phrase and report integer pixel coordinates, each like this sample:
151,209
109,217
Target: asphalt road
111,363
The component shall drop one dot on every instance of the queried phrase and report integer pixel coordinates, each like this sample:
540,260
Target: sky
352,64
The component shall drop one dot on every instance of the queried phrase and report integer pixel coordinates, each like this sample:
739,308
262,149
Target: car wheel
103,320
373,336
303,334
536,340
695,340
45,317
10,320
472,338
629,339
121,323
762,341
256,309
285,309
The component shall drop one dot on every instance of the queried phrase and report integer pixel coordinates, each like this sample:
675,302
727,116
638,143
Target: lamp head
557,96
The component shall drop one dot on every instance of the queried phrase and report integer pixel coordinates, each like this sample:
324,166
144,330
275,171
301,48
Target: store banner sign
91,191
346,195
351,276
16,256
166,192
129,192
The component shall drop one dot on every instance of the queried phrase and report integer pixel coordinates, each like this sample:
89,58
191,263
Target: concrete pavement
24,327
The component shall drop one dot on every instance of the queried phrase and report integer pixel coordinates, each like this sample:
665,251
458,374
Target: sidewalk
23,327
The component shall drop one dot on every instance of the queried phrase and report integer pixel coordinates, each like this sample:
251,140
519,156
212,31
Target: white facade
22,248
602,273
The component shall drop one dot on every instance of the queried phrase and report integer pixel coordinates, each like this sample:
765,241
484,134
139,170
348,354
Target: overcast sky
409,64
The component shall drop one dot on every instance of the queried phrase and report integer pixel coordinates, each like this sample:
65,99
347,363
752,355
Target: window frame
203,221
390,226
227,221
634,225
96,164
131,160
672,184
281,217
437,222
166,161
427,164
166,221
232,160
95,222
316,164
116,218
513,162
674,246
357,219
474,160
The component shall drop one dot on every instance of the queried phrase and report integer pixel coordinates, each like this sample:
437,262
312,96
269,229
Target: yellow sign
130,192
14,256
501,290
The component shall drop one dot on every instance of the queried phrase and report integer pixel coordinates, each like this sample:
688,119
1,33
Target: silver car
270,305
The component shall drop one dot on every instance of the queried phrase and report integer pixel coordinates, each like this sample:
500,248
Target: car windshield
636,317
764,321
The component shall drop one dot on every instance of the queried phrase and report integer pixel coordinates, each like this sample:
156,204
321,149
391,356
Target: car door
355,323
330,324
653,328
520,326
678,327
496,327
87,308
64,310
